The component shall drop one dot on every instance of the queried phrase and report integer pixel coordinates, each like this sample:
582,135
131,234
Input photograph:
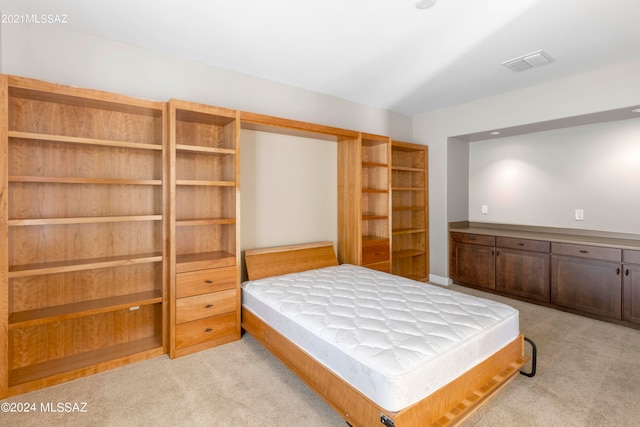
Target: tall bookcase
82,208
364,217
204,169
410,224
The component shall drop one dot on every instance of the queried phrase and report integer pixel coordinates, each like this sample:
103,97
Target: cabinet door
632,293
587,285
523,273
474,265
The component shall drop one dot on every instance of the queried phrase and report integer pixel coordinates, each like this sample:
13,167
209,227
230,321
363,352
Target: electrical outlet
579,215
485,209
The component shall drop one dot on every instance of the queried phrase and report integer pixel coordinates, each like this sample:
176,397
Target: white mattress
394,339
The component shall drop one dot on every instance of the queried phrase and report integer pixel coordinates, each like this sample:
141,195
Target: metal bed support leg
534,358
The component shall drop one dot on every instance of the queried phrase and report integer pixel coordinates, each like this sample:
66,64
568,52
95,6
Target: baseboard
439,280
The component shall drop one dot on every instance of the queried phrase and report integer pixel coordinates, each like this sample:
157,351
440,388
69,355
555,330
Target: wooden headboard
280,260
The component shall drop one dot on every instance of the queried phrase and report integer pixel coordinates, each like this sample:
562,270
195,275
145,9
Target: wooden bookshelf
410,223
203,228
83,289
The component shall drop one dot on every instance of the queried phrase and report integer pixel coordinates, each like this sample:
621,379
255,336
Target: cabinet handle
208,282
208,330
497,252
618,271
520,244
626,272
208,306
584,252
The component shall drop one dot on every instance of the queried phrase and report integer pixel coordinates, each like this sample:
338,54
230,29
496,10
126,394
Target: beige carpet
588,375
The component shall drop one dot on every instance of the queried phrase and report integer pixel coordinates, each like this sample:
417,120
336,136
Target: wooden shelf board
407,253
83,220
369,217
205,183
85,141
204,221
205,150
372,238
373,190
409,208
82,180
204,260
374,165
81,264
109,357
407,169
407,188
399,231
40,316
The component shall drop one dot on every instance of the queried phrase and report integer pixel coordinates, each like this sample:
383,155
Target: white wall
541,178
56,54
606,89
289,190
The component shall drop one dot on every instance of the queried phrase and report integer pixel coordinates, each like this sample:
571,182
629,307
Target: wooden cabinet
82,214
473,260
364,226
522,268
587,278
203,232
410,218
631,286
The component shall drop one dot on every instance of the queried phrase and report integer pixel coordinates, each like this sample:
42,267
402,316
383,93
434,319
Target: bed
378,348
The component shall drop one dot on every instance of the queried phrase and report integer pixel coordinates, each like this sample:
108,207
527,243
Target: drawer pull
520,244
584,252
208,282
208,330
208,306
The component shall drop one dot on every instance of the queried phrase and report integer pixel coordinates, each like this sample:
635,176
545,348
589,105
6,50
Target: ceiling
385,53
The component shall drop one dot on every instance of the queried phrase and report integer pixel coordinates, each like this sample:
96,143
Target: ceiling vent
530,60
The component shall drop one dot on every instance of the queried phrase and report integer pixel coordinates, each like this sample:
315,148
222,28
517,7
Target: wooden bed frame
448,405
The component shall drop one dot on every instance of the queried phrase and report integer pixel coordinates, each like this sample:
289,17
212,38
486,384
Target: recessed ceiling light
495,132
425,4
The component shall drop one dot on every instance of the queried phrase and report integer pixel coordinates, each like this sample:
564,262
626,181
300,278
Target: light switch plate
485,209
579,215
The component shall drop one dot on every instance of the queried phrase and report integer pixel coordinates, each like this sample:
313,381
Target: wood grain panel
208,329
48,290
205,281
280,260
205,305
58,340
32,111
5,306
52,243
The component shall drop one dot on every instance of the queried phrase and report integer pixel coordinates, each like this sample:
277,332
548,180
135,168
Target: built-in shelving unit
364,218
410,224
204,227
82,208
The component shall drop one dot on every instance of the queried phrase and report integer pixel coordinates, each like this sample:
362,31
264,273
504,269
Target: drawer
375,251
631,257
585,251
477,239
524,244
205,281
207,329
205,305
380,266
